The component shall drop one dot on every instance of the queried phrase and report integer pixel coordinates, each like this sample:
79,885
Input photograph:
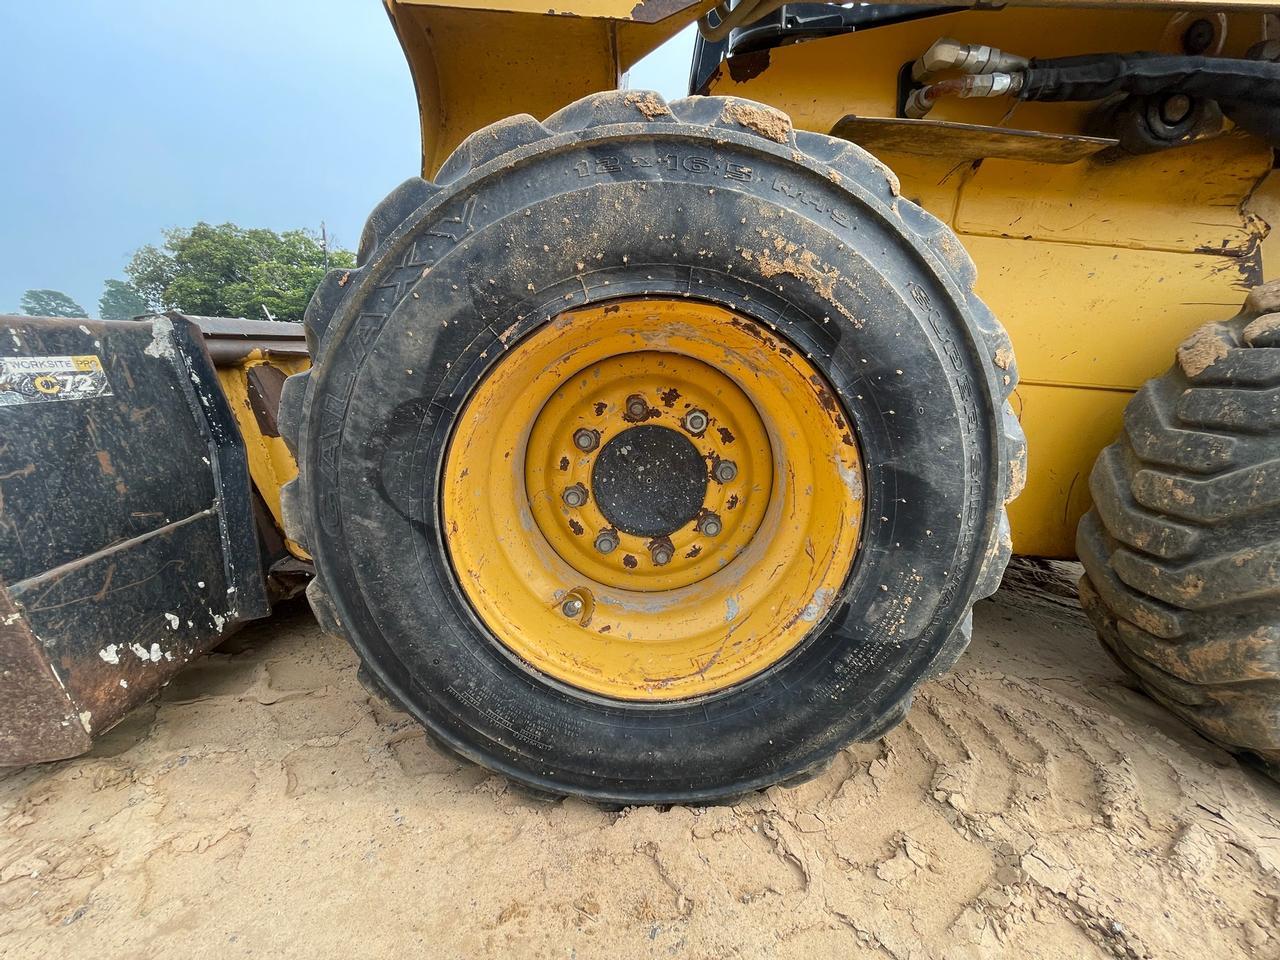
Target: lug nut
724,471
695,421
574,496
661,554
606,541
572,607
586,439
710,526
637,407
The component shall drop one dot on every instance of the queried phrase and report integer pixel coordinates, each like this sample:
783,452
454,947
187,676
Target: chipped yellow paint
746,597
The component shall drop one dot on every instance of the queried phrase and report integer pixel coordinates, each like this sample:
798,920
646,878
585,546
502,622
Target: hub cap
649,481
697,539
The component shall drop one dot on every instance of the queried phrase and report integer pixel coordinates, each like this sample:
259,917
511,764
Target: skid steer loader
656,450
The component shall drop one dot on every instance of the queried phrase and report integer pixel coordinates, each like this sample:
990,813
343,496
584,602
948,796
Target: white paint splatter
125,684
161,339
142,653
730,609
110,653
86,721
173,621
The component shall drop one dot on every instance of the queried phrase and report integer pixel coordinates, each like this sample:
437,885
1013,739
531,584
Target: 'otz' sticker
40,379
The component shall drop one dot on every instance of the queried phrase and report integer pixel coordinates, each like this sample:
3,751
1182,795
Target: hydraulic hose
1098,76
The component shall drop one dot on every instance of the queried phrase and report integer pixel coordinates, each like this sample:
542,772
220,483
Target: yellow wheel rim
674,583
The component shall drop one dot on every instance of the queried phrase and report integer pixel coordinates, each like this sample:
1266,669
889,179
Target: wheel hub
649,481
653,483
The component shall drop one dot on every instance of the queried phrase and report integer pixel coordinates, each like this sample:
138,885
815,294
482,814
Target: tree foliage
230,271
49,303
120,301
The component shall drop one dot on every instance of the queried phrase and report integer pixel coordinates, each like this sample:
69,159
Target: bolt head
724,471
695,421
606,541
637,407
661,555
586,439
572,607
574,496
710,526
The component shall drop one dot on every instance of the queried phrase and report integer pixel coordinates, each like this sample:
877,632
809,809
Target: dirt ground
1031,806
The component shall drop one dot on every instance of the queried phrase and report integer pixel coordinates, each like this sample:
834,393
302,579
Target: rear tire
620,200
1182,548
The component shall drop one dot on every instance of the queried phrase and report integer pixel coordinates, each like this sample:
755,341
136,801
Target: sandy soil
1031,806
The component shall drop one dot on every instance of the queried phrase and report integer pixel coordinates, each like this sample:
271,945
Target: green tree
120,301
230,271
49,303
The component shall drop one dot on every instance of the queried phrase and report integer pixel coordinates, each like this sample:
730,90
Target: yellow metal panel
1101,317
1089,324
271,465
641,11
1183,199
1066,428
474,67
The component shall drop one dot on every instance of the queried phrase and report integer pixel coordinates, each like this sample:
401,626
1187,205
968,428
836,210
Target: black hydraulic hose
1098,76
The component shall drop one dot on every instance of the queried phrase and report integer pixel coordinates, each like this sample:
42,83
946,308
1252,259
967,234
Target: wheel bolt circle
574,496
724,471
637,407
572,607
710,525
695,421
586,439
606,541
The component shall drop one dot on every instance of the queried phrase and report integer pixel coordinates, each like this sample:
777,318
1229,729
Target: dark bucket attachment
127,539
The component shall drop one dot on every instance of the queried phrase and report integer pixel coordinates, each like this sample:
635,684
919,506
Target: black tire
495,247
1182,548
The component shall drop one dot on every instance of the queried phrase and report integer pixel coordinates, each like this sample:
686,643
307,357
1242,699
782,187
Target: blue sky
124,117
